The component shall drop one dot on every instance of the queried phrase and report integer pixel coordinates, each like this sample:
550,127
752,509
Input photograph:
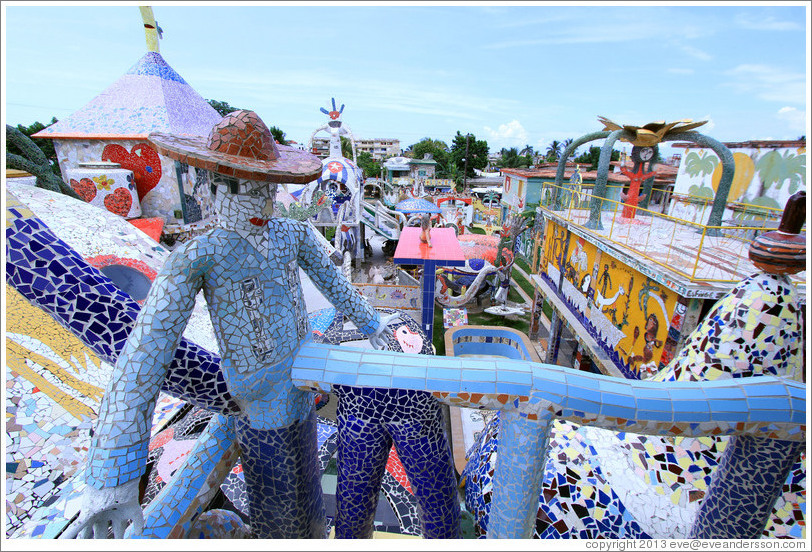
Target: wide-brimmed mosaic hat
240,146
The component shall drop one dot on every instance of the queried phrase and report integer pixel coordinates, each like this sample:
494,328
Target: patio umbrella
417,205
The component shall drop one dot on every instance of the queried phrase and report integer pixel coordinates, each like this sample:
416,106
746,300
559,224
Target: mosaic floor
677,245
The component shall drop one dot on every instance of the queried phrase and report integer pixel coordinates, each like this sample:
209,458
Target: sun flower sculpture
651,134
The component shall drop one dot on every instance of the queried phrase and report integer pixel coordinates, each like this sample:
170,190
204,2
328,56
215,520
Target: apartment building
379,148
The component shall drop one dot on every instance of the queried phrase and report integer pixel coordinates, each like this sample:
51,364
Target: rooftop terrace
693,259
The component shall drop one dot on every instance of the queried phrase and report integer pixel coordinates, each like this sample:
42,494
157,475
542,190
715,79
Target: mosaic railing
698,252
531,395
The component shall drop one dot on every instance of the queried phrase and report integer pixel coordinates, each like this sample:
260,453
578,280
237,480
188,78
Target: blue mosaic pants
423,448
282,477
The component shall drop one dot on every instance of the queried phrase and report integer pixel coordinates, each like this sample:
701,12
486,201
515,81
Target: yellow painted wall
642,311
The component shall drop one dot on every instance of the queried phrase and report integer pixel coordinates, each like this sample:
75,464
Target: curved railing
531,395
382,219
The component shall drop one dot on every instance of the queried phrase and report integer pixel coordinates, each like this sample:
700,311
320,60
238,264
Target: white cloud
768,82
769,23
707,127
697,53
795,118
604,26
308,87
680,71
511,134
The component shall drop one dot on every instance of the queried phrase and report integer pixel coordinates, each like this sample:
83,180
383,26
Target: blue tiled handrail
531,395
765,406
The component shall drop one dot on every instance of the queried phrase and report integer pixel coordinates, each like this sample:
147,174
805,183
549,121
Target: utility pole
465,159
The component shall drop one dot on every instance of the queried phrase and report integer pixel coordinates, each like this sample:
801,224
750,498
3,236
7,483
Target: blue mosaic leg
518,476
281,469
363,448
744,488
425,452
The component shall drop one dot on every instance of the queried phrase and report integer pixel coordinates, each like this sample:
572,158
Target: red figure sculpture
639,155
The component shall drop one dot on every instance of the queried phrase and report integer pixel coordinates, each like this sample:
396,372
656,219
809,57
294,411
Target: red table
445,250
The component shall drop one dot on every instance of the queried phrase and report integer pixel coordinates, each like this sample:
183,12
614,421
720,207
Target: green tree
477,153
453,173
512,159
370,167
223,108
437,148
592,157
278,135
566,144
553,151
346,147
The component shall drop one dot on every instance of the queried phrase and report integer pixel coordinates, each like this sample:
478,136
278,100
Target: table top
445,248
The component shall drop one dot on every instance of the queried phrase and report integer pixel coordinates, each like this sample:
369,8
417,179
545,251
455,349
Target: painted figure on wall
605,280
248,269
648,366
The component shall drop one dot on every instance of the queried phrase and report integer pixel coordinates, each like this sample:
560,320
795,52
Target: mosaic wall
395,296
156,178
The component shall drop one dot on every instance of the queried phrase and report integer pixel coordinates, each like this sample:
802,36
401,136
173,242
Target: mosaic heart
85,188
142,160
119,202
410,341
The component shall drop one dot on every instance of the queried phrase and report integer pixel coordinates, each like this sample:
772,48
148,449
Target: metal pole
465,171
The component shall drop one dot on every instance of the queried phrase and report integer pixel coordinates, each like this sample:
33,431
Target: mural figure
650,337
248,269
605,281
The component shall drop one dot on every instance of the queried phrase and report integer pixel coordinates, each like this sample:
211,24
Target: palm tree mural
774,168
701,166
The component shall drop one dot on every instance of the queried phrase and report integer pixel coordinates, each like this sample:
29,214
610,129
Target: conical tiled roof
150,97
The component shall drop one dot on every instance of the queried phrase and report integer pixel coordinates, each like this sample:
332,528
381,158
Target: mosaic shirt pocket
295,290
262,344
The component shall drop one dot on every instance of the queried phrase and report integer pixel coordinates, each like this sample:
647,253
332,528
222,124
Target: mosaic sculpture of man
248,269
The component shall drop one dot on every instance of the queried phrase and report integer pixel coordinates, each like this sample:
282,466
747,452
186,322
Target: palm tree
346,147
554,150
566,144
527,150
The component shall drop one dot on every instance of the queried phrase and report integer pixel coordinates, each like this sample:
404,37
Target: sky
514,75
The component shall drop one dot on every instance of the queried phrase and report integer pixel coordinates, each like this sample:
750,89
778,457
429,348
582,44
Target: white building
379,148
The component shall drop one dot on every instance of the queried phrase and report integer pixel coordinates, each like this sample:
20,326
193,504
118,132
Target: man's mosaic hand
102,508
380,339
